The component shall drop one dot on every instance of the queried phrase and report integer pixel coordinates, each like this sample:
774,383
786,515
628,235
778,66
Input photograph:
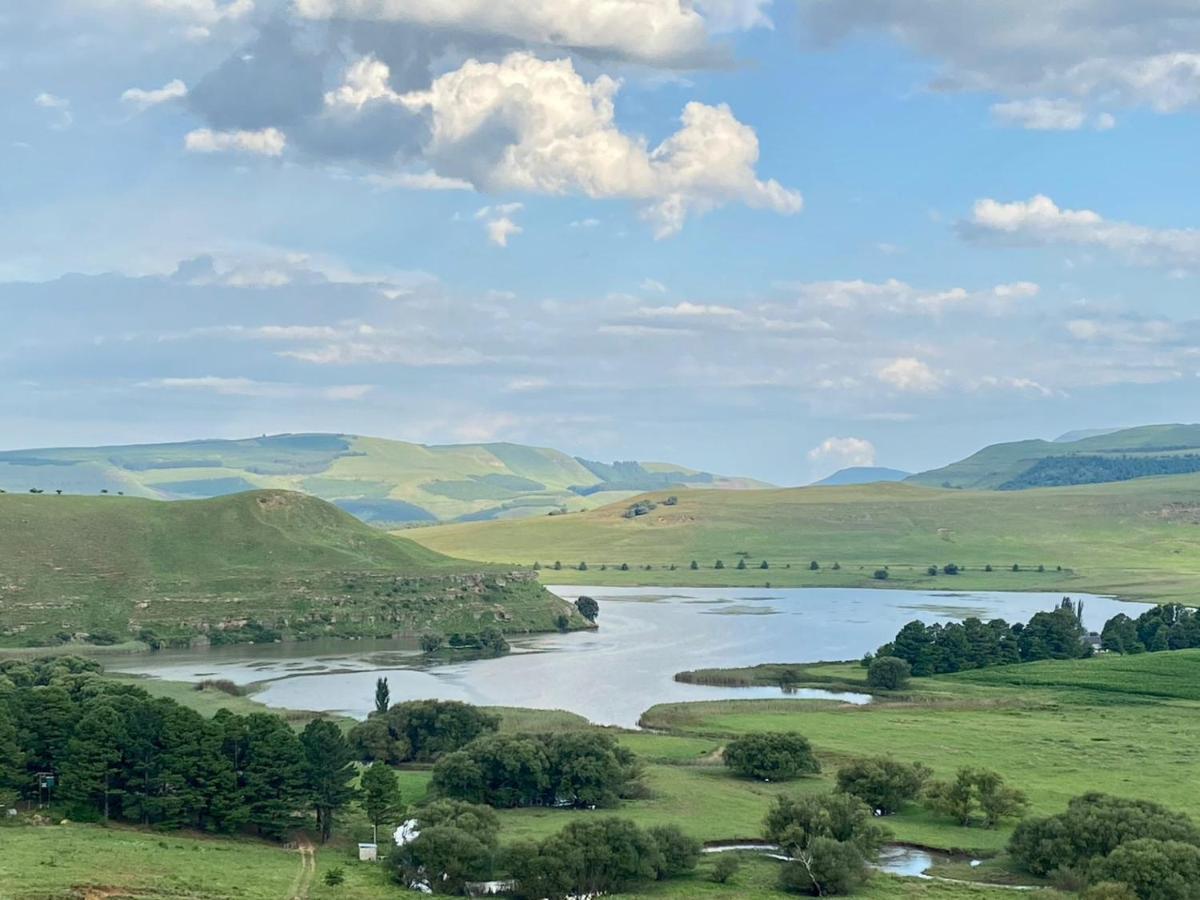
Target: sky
759,237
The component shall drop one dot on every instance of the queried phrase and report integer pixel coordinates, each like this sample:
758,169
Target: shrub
883,783
1153,870
975,791
830,839
888,673
771,756
588,608
881,575
725,868
825,867
677,852
335,876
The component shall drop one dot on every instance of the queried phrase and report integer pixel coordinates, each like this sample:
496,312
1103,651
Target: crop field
1138,539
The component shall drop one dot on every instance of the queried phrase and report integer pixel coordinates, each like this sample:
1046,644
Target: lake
613,674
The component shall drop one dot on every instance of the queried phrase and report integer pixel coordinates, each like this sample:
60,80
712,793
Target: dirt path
308,869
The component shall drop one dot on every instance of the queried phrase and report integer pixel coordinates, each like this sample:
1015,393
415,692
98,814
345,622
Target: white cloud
265,142
527,124
585,223
1041,114
1039,221
897,297
498,222
144,99
909,374
844,451
661,32
687,310
653,286
417,181
1012,383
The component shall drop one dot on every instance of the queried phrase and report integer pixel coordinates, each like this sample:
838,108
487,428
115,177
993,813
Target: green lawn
1133,539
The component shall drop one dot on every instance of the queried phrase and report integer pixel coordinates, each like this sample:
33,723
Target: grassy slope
996,464
446,481
290,561
1135,539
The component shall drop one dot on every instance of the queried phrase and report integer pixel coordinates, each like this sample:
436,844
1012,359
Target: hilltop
1135,539
253,566
1096,457
377,480
861,475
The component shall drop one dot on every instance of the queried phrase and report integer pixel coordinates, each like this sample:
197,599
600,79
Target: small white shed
368,852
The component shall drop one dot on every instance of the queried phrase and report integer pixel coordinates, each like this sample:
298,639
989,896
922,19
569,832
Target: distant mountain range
380,481
1097,457
862,475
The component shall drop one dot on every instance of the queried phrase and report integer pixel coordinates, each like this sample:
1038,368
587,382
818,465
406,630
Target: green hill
252,566
377,480
1122,455
1135,539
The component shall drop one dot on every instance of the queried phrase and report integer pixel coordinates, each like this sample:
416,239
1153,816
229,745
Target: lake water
614,673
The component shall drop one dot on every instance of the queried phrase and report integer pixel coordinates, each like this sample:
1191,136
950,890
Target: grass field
1137,539
86,567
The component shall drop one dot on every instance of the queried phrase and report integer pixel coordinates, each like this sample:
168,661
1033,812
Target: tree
725,868
950,569
932,570
329,770
888,673
379,795
694,565
1154,870
763,565
1093,826
382,695
883,783
975,790
419,731
431,643
881,575
588,608
830,839
677,852
443,858
92,767
335,876
814,566
273,774
558,565
771,756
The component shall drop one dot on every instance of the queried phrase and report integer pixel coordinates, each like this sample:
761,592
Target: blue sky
769,237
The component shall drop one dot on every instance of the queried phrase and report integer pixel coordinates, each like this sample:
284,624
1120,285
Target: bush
881,575
882,783
442,857
771,756
888,673
725,868
335,876
1153,870
677,853
976,791
419,730
830,839
588,608
1093,826
825,867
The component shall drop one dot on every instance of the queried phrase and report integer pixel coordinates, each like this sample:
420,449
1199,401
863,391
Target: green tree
443,858
272,775
771,756
677,852
383,695
720,564
379,796
724,868
888,673
975,790
814,566
92,768
741,563
830,838
588,608
329,771
694,565
764,565
1153,870
883,783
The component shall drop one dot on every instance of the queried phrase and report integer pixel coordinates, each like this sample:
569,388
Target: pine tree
329,769
91,771
273,783
380,795
383,695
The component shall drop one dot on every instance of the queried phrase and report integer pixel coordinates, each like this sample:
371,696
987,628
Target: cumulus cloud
1042,114
527,124
417,181
661,32
898,297
844,451
1096,52
1039,222
144,99
910,375
264,142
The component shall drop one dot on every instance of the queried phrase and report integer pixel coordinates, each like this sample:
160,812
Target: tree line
112,751
974,644
1165,627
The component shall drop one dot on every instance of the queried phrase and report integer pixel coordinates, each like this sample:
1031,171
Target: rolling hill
379,481
1138,539
1108,456
253,566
